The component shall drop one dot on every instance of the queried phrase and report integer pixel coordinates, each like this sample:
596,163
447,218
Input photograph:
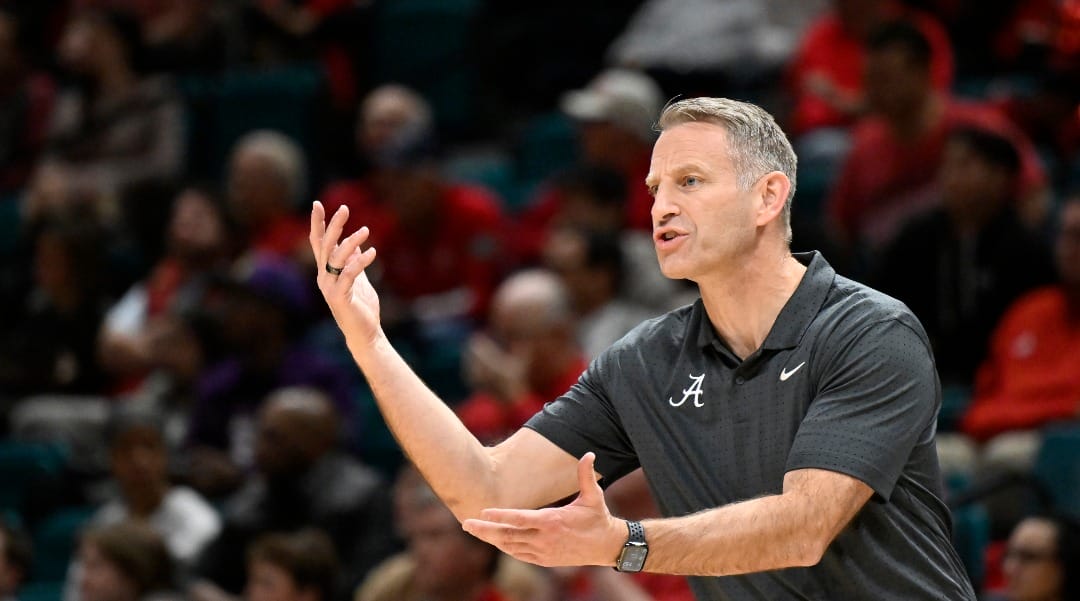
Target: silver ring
333,270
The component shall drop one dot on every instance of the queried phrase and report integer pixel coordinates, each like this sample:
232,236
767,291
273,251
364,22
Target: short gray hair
283,152
756,143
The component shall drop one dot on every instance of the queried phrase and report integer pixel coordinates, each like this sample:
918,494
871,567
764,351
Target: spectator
590,265
266,180
47,345
443,241
1029,377
259,312
26,103
124,562
529,355
1041,560
302,479
185,37
301,566
15,561
960,266
442,562
197,243
114,128
825,77
139,465
896,151
614,114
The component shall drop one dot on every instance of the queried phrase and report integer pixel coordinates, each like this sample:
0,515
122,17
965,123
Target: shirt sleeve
877,399
585,419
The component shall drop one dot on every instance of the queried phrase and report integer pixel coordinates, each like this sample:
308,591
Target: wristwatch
634,552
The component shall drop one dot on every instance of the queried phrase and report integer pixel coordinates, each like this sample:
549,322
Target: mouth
667,235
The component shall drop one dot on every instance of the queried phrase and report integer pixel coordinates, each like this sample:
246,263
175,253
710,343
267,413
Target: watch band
637,532
634,551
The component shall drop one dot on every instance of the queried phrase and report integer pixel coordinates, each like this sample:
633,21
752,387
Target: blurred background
179,416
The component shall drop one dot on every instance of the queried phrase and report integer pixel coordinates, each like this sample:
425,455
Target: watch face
633,558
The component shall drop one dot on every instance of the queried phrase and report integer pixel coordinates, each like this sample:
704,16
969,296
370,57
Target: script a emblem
693,391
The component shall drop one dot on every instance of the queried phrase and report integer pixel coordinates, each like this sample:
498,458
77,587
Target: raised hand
342,280
579,534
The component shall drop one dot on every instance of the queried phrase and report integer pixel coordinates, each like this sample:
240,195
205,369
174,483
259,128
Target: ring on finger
333,270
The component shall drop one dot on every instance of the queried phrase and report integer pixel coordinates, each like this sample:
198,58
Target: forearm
451,459
765,533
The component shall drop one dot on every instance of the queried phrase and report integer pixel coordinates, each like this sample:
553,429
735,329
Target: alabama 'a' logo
693,391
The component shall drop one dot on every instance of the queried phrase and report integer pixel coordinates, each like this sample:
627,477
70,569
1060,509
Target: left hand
581,533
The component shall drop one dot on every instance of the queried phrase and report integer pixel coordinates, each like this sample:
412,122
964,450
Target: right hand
350,296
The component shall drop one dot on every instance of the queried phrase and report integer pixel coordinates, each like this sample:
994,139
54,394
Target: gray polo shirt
845,381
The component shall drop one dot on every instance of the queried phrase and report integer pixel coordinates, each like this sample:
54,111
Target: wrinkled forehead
695,144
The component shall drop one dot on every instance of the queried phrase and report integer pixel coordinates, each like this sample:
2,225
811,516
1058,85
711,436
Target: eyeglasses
1028,555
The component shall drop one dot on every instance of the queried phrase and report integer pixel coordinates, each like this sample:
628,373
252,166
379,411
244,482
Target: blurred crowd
179,416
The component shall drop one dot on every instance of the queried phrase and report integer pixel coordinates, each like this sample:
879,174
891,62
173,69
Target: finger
354,266
496,533
344,252
318,230
333,233
518,518
591,492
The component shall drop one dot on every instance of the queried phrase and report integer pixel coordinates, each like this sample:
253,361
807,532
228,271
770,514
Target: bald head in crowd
296,427
390,115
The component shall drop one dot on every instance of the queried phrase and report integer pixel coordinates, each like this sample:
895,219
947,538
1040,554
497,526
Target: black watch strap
637,532
634,551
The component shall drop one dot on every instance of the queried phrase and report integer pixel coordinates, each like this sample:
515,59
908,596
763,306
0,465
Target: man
298,566
787,385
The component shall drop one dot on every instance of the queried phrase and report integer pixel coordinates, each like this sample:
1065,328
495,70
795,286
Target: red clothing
492,420
464,252
535,221
830,50
886,180
1032,373
282,237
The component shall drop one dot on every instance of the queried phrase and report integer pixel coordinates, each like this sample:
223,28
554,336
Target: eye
691,180
652,190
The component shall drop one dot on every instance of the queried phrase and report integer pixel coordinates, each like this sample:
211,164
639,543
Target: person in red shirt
615,115
267,177
825,77
1030,376
528,356
441,241
896,151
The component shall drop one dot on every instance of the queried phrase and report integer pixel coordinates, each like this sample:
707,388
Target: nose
663,209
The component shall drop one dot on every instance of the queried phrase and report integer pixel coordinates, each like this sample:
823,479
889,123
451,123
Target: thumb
591,493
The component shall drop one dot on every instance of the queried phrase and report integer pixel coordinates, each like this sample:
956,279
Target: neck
920,119
147,501
743,304
115,82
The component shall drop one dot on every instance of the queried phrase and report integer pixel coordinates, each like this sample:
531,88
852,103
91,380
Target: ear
772,191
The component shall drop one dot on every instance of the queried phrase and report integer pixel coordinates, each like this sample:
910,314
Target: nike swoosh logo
785,374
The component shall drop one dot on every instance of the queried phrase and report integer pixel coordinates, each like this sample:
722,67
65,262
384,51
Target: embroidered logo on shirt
785,374
693,391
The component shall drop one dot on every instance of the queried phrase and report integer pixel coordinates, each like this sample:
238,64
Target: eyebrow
681,169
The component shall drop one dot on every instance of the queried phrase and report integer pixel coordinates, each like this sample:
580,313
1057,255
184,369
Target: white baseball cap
627,98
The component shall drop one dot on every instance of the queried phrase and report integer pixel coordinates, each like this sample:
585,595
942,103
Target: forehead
1034,532
694,144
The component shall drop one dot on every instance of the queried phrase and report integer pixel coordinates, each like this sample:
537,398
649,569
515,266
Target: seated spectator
1029,377
889,173
267,178
184,37
590,265
26,103
442,241
594,198
302,479
442,562
614,115
825,77
301,566
528,356
127,561
47,344
1042,561
197,239
139,466
961,265
115,128
16,556
259,314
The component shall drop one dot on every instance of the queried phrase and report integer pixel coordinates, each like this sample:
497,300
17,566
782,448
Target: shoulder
1039,304
852,309
469,201
660,333
189,502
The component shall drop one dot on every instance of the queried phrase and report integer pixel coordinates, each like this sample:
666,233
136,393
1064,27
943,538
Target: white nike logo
785,374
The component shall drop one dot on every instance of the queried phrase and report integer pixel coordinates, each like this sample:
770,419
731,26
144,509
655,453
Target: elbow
810,550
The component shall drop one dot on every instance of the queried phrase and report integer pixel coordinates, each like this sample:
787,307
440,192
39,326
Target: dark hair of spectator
18,550
602,250
307,555
138,552
902,35
126,417
993,148
601,184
